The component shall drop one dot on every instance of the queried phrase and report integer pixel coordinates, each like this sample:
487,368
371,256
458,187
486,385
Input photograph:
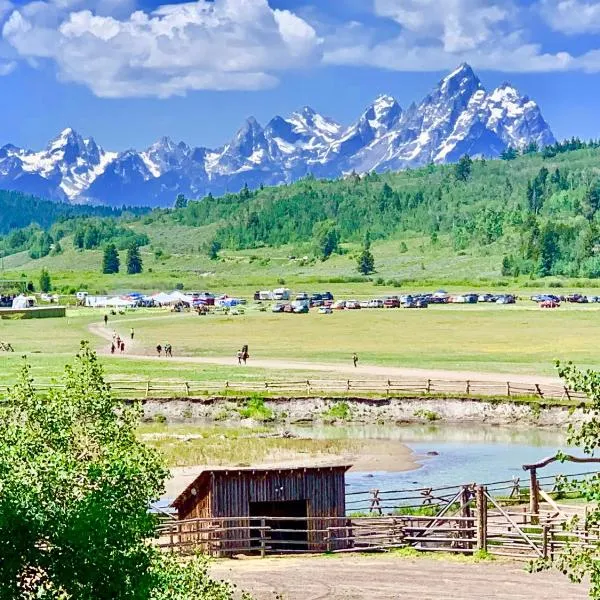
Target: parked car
391,302
300,308
549,304
327,296
288,308
506,299
376,303
577,299
278,308
325,310
352,305
339,305
365,304
302,296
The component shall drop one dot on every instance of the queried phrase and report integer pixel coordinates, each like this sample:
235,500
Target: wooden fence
387,387
470,518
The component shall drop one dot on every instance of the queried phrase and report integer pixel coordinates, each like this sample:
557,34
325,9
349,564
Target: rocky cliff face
458,117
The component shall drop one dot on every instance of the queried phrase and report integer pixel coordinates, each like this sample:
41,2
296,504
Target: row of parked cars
573,298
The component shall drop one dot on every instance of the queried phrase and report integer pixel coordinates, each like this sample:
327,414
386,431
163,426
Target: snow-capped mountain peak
459,116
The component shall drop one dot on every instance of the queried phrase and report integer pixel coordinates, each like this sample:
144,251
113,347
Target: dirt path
388,577
362,370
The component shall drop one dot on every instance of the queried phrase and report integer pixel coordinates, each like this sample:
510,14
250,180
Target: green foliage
326,239
365,262
111,262
463,168
180,202
340,411
45,281
76,485
212,249
134,260
428,415
583,562
255,409
93,233
75,490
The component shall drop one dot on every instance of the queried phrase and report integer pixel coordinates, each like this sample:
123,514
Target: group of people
167,348
117,342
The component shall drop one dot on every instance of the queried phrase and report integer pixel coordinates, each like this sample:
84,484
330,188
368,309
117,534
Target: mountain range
458,117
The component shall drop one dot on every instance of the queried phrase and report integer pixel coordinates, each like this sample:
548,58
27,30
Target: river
465,453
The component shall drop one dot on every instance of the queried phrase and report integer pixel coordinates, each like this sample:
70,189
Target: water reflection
465,453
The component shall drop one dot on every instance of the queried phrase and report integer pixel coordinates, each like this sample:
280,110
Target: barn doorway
288,532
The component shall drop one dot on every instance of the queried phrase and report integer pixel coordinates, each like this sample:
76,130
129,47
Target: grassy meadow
503,339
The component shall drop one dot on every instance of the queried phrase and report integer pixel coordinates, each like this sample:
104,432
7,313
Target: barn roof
204,476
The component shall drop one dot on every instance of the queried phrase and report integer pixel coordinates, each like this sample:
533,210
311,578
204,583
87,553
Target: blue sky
129,71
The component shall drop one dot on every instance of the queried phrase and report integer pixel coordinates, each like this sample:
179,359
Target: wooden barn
265,510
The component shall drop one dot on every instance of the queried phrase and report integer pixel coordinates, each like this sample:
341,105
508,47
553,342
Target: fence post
481,519
226,387
539,391
508,388
375,502
348,385
534,501
263,549
388,389
308,386
567,392
187,388
147,388
545,541
468,390
428,386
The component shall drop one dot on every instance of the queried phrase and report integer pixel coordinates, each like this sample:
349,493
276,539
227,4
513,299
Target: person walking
239,357
122,346
168,350
159,350
355,359
112,348
105,320
132,333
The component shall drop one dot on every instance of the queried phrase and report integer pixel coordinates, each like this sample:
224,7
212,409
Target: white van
281,294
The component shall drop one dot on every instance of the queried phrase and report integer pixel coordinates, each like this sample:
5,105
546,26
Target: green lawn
503,339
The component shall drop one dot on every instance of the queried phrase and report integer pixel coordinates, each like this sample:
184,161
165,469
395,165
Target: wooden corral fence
389,387
467,518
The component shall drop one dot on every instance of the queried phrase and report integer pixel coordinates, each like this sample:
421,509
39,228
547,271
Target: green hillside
478,222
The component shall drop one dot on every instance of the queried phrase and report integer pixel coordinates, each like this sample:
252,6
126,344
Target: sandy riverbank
365,457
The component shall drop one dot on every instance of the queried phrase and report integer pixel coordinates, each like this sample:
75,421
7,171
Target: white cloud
571,16
221,45
434,35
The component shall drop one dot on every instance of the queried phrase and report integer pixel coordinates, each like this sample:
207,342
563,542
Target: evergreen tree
111,262
212,249
134,260
509,154
326,238
45,281
463,168
180,202
366,262
549,250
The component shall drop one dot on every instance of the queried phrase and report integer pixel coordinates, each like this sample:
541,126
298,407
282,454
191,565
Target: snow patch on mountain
459,116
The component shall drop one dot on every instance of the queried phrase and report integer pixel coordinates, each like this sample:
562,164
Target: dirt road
387,577
343,369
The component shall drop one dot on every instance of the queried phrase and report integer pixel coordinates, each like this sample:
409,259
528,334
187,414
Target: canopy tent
119,302
22,301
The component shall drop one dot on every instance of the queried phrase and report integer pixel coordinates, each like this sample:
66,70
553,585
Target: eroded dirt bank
371,411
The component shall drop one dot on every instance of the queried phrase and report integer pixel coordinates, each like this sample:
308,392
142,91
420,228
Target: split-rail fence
388,387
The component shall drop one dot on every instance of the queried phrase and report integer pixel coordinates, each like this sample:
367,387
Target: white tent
119,302
162,298
22,301
178,296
